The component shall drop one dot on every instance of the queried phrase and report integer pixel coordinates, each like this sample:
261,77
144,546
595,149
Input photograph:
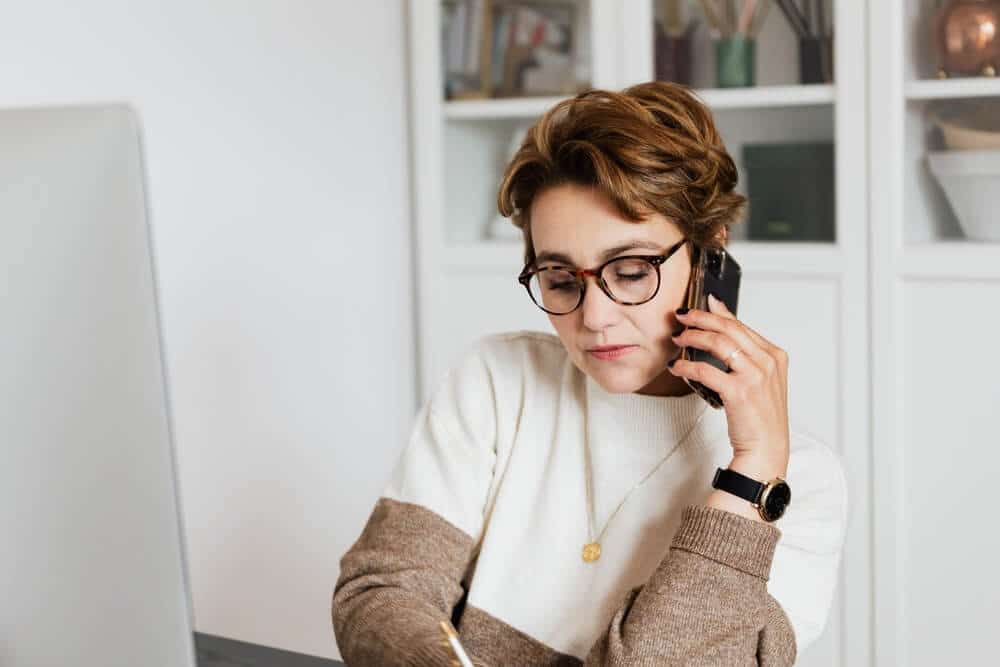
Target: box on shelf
791,191
514,48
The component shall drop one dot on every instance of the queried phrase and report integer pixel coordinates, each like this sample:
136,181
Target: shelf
717,98
936,89
515,107
768,96
757,258
952,260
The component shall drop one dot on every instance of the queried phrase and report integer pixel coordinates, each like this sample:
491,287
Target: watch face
777,500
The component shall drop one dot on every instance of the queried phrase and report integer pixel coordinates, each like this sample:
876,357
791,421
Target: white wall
276,147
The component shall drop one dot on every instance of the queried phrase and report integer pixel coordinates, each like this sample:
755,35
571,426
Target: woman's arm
397,583
737,584
707,603
403,575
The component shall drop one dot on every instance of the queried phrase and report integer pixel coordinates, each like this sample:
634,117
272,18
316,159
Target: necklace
592,549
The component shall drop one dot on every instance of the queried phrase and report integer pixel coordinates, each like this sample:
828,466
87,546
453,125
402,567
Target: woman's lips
612,352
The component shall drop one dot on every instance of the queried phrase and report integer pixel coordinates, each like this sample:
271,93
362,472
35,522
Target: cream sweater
495,476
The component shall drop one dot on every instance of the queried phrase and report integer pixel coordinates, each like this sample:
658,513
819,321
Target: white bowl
971,181
975,125
958,137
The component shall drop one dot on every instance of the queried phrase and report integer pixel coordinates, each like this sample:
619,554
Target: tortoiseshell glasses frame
597,273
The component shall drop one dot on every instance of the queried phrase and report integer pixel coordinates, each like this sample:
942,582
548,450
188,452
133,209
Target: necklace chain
592,550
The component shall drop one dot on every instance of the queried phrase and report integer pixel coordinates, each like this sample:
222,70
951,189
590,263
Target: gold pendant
591,552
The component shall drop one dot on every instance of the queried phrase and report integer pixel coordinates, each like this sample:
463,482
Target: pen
745,15
713,17
794,17
456,646
760,14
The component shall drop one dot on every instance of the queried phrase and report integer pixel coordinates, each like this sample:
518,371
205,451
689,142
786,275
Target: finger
754,335
723,383
733,328
720,345
719,307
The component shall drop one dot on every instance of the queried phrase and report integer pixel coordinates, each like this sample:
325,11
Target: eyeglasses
629,280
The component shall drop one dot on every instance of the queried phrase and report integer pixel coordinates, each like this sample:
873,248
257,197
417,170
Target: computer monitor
92,558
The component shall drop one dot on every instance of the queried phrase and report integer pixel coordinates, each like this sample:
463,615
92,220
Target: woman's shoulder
519,352
814,457
496,367
813,535
520,339
817,477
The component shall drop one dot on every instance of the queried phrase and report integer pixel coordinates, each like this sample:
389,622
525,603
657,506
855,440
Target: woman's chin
625,379
617,380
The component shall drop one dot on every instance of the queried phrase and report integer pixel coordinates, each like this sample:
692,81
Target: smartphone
713,271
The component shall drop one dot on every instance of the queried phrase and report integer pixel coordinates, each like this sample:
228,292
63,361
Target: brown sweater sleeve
396,584
707,603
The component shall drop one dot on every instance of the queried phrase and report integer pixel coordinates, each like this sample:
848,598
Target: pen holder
673,56
735,61
816,59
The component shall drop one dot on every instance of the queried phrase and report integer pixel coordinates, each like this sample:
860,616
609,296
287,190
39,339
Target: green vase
734,61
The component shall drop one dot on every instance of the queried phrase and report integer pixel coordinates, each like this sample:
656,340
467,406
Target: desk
221,652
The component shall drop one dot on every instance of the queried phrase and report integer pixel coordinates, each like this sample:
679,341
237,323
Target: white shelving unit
858,315
759,258
935,89
717,98
813,296
933,421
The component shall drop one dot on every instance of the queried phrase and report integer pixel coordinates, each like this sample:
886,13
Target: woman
556,498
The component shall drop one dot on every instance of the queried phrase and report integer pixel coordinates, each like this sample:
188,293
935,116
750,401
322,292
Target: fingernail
682,311
713,298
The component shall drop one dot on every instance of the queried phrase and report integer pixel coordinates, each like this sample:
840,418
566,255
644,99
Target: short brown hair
652,147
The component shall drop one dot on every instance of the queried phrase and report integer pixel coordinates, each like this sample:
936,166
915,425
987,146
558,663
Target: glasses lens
555,290
631,280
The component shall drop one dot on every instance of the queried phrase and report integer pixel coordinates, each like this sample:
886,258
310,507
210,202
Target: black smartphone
713,271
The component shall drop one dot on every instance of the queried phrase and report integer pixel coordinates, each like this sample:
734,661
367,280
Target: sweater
485,515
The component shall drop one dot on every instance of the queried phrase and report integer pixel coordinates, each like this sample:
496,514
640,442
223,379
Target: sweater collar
656,420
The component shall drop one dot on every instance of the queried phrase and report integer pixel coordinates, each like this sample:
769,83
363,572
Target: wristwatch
770,498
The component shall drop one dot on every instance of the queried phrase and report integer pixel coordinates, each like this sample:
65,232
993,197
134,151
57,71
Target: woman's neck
666,384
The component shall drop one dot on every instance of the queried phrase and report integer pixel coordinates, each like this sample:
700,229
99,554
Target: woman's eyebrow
637,244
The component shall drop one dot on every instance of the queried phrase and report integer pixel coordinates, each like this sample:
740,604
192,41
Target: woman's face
582,224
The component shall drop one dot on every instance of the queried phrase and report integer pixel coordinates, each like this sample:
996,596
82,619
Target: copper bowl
966,37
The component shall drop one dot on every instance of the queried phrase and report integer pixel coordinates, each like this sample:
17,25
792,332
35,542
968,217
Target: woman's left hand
754,392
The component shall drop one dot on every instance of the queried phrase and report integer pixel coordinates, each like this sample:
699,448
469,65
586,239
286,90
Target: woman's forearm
397,582
707,603
762,470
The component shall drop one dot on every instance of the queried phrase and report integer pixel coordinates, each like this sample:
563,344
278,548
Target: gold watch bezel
768,487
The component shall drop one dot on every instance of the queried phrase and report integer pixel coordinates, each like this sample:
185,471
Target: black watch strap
738,484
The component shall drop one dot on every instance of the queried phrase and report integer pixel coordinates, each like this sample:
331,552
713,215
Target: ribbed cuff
727,538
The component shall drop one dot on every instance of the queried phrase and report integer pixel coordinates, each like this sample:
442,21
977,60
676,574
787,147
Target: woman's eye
562,287
631,276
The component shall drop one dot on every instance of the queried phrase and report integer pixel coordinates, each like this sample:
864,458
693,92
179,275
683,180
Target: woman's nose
599,311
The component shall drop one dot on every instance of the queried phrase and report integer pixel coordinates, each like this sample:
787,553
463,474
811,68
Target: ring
732,356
